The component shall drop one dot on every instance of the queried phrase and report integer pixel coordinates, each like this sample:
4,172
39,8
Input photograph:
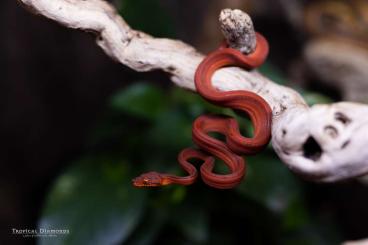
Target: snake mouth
142,182
140,185
137,183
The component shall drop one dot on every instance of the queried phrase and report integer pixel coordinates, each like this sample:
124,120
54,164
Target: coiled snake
235,145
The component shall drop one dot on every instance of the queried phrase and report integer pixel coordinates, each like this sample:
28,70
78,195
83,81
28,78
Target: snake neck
225,57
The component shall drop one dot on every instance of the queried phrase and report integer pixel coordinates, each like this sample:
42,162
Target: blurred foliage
93,200
313,98
143,129
273,73
156,21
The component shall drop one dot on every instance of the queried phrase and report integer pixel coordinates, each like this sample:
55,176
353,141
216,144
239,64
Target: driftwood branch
342,64
322,143
359,242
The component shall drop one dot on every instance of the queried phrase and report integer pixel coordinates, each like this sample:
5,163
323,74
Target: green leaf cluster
143,129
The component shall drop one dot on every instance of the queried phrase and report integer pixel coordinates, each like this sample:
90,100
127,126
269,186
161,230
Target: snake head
150,179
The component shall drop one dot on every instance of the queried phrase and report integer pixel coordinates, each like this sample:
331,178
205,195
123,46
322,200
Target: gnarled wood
322,143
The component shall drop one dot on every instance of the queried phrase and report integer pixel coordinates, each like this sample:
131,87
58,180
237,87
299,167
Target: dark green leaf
148,16
273,73
296,215
316,98
172,130
95,201
193,102
149,228
269,182
140,99
193,223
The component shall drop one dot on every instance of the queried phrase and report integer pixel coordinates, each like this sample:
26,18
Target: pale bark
358,242
322,143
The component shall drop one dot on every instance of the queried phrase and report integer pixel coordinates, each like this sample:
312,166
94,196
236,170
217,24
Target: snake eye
145,181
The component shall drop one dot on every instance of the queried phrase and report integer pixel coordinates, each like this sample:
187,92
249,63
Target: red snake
235,145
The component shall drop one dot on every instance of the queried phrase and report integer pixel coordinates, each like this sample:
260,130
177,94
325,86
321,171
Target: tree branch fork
323,143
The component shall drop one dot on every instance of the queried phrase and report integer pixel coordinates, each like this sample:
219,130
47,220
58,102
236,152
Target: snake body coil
236,145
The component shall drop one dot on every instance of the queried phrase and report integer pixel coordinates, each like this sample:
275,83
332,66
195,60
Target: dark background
54,87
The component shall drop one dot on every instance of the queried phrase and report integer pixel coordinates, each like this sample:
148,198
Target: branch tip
237,28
